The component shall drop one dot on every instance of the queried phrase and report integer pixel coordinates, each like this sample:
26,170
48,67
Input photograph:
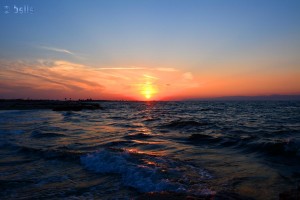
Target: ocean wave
179,124
198,137
138,136
40,134
118,143
275,147
12,132
51,153
117,118
144,172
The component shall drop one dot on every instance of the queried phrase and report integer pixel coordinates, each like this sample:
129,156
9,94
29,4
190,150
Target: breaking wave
146,173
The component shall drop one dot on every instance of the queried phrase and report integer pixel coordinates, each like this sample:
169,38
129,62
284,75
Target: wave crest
144,172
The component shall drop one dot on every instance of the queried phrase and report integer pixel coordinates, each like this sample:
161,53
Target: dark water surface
129,150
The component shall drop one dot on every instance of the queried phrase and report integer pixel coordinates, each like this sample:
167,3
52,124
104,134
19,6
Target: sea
152,150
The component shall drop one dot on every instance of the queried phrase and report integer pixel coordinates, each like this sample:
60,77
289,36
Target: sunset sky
149,49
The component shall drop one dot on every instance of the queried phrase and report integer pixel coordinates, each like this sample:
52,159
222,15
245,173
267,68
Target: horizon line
226,98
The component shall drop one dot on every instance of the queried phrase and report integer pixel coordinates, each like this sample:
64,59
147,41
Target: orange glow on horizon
62,79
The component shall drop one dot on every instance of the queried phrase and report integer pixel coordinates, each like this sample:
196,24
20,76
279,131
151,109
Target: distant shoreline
56,105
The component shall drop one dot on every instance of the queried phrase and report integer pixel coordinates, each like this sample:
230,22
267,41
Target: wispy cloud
121,68
151,77
166,69
188,76
57,50
59,78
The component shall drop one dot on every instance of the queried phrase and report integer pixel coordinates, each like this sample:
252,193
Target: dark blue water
140,150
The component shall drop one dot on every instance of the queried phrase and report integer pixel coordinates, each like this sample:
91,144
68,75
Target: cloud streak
121,68
67,79
151,77
57,50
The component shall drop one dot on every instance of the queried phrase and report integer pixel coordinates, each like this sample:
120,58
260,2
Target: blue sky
192,35
149,29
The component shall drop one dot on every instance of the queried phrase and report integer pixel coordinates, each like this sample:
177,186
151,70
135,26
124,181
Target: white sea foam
159,175
141,177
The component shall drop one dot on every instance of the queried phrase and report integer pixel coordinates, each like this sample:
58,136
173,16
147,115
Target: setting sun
148,90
